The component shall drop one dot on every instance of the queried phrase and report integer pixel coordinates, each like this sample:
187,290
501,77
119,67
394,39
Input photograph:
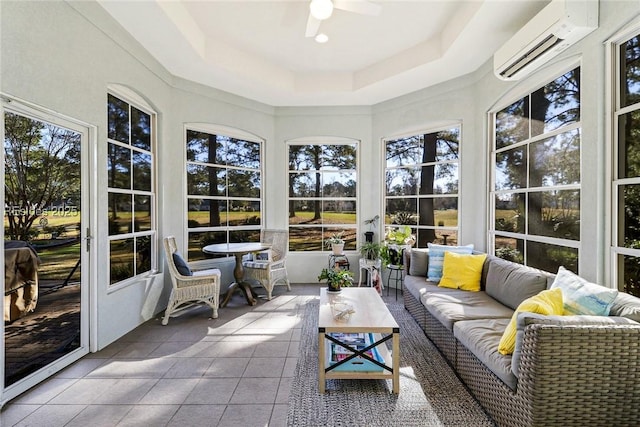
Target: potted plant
336,243
396,239
370,250
336,278
372,224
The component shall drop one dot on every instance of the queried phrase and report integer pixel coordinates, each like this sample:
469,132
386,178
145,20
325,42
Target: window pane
244,212
511,169
140,129
557,104
629,216
304,185
401,211
198,240
242,183
339,184
142,206
556,160
445,237
402,182
512,123
339,157
305,212
509,249
204,147
122,260
549,257
629,274
305,239
118,119
207,213
205,180
348,234
630,72
339,211
119,166
444,181
555,214
440,211
238,236
141,171
305,157
510,212
243,153
120,213
629,145
447,144
143,254
405,151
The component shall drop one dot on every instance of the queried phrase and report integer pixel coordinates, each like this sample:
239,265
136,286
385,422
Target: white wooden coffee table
371,316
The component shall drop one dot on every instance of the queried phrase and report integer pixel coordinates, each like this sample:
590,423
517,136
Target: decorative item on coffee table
336,278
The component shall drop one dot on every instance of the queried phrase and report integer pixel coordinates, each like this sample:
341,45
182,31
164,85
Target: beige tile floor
232,371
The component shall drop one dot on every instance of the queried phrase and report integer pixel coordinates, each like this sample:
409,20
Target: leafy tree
42,167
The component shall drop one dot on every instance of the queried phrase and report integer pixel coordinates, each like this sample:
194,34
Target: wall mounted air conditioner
556,27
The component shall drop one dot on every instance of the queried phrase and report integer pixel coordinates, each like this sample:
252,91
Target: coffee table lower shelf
389,366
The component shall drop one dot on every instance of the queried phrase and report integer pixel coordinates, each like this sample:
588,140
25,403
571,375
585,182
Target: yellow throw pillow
462,271
546,302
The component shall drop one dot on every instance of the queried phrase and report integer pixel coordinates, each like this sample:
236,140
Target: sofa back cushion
512,283
626,305
418,262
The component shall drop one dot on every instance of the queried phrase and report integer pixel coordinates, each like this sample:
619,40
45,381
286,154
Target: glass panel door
45,247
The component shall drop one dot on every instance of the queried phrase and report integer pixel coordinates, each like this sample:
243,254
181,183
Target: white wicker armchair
202,286
273,270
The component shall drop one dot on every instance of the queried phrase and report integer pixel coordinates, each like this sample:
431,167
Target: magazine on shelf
359,341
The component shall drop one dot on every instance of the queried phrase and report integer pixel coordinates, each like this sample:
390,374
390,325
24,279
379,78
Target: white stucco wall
53,56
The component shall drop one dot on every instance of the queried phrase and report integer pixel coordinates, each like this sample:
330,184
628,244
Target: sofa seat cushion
418,286
454,305
481,337
512,283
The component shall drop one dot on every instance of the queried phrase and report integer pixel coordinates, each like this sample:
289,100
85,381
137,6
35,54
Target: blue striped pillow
582,297
436,258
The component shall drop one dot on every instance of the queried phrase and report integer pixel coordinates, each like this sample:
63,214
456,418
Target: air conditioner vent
557,26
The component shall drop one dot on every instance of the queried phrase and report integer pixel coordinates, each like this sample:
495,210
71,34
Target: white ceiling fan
319,10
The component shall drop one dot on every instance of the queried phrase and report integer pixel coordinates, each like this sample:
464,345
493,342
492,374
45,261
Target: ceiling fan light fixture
321,9
322,38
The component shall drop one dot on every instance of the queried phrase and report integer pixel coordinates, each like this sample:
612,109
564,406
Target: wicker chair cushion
582,297
436,258
419,262
546,302
525,319
626,305
511,284
256,264
181,264
462,271
481,337
456,305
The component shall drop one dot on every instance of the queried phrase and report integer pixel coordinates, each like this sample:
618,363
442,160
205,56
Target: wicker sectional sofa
565,370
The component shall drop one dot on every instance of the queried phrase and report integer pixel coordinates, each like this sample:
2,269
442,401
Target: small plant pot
337,248
333,287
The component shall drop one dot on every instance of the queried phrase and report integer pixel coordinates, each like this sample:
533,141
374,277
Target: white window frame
134,100
533,83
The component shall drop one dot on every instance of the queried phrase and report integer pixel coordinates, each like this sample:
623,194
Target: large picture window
535,193
421,184
322,194
626,170
224,188
131,188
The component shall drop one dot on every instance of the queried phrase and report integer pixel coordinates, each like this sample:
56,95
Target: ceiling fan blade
363,7
313,25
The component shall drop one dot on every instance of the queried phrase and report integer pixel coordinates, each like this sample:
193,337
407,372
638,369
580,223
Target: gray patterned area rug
430,393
